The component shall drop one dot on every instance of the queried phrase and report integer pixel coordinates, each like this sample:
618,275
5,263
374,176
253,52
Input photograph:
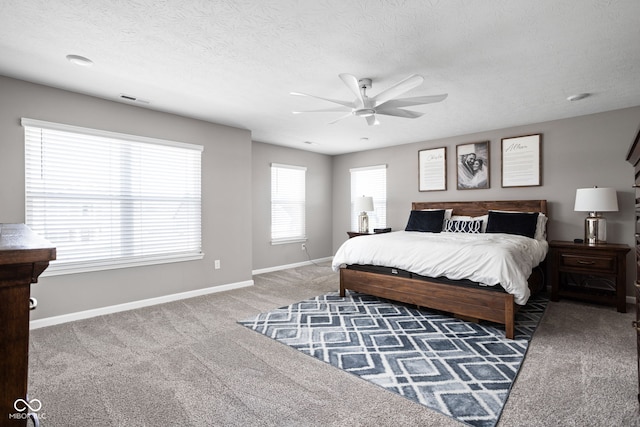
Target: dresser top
20,245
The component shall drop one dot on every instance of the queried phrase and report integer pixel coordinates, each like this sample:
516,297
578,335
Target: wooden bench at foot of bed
494,306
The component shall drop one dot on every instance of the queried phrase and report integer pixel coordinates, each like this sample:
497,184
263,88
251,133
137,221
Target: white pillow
484,219
541,227
461,218
464,226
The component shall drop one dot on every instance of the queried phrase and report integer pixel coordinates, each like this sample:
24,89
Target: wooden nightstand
594,273
375,231
357,233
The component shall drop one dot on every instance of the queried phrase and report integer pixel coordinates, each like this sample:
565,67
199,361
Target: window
370,181
109,200
287,203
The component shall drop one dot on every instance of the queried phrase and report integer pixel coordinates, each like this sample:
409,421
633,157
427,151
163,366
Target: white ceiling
503,62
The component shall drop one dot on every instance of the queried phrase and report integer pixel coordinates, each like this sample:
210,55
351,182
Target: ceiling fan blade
408,102
372,120
335,101
354,86
340,118
397,112
324,110
399,88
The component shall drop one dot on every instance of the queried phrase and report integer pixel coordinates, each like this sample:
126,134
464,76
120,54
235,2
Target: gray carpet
188,363
459,368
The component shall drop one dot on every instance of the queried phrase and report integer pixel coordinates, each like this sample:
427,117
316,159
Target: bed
461,297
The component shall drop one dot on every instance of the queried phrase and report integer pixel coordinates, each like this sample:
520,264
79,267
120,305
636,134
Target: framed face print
472,161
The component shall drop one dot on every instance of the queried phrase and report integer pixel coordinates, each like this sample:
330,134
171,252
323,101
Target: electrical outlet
216,264
303,247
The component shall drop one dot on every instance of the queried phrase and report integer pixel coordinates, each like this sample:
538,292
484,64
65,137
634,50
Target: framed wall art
472,162
432,169
521,161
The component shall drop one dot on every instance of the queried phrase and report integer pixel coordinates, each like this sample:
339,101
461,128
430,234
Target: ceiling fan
384,103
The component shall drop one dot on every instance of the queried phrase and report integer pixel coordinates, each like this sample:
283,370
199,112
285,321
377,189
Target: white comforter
486,258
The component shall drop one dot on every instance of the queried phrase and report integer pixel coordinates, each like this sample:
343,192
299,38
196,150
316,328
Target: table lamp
362,205
595,200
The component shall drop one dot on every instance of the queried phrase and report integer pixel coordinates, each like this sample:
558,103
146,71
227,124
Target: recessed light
577,97
80,60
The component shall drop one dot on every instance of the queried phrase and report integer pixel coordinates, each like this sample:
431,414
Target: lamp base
595,229
363,222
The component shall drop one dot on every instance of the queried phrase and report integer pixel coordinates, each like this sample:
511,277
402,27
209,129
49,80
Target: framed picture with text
521,161
432,169
472,161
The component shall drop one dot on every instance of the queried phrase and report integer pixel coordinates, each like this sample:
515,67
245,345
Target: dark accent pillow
453,226
426,221
520,223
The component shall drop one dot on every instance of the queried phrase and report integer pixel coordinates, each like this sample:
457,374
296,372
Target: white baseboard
56,320
284,267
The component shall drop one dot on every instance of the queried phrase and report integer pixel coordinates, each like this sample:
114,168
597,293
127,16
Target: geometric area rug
462,369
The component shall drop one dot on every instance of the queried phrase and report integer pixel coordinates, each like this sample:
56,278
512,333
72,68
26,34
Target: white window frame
116,218
286,201
370,181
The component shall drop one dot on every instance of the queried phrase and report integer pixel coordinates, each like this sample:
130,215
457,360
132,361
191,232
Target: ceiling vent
133,99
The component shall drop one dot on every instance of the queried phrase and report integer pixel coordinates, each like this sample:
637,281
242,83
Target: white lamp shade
363,204
596,200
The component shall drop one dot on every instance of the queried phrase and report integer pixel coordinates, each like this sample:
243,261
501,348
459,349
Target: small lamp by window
362,205
595,200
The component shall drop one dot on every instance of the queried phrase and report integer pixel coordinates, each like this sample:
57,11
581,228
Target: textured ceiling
503,62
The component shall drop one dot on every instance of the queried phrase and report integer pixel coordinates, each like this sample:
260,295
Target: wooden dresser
23,257
634,158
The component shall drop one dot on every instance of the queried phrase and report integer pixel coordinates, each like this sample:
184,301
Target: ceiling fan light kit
384,103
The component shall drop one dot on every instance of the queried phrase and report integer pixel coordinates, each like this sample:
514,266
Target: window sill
59,270
287,241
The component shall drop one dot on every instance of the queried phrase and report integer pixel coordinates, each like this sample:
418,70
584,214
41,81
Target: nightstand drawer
605,264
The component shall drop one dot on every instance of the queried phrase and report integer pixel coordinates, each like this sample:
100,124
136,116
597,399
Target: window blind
109,200
287,203
370,181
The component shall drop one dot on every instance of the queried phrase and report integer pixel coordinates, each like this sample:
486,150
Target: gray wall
318,198
577,152
226,200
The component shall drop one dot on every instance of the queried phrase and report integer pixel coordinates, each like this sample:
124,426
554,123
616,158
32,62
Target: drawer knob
33,303
586,262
